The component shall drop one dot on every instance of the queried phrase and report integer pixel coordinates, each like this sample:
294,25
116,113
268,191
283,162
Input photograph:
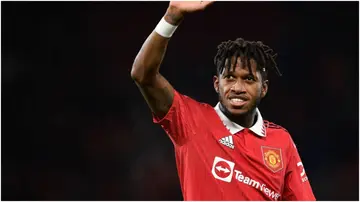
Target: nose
238,87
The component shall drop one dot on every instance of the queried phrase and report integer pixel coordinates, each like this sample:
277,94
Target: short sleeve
180,121
297,186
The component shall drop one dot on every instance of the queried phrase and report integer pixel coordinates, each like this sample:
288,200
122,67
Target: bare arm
157,91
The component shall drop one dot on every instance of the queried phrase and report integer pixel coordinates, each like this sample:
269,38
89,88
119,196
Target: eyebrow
226,73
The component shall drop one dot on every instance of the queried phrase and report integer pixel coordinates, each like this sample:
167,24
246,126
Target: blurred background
75,126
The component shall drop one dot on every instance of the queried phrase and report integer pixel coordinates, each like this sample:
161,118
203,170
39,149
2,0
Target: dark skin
156,90
159,93
240,92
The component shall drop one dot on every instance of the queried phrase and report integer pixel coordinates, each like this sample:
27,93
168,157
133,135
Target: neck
245,120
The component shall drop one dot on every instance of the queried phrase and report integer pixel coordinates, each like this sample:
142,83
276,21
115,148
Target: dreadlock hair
261,53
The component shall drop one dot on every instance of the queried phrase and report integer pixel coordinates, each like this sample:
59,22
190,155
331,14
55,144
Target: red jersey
219,160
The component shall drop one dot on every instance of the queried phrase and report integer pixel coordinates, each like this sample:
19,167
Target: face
239,91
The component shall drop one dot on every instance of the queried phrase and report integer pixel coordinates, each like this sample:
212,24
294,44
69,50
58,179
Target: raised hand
177,9
190,6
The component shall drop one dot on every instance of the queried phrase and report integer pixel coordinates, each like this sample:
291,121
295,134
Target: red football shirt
220,160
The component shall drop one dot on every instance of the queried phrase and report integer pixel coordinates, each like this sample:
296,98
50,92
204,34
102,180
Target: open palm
190,6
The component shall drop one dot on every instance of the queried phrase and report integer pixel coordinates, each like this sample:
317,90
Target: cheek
254,90
224,90
221,87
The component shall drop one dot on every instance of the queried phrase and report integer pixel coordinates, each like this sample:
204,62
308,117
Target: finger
207,3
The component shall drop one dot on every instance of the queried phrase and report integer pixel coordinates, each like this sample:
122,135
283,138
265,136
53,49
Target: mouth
237,102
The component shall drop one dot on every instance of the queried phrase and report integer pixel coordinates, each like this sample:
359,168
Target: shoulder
273,126
192,102
276,131
191,107
279,133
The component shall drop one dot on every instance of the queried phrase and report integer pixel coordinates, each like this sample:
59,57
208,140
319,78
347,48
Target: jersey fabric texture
220,160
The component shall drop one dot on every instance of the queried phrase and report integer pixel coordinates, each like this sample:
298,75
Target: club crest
272,158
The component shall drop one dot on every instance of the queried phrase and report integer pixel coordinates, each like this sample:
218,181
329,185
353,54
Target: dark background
75,126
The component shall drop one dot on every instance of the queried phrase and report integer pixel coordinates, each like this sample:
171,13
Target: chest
244,159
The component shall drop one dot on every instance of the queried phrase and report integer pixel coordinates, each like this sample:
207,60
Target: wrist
174,16
165,29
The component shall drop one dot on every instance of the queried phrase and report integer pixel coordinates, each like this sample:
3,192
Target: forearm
149,58
151,54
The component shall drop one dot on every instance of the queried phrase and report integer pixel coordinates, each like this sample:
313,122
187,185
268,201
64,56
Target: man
227,152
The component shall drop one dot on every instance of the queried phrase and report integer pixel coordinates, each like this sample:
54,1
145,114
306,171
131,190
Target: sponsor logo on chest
223,170
227,141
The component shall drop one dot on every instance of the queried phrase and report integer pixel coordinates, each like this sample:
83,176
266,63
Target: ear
264,88
216,83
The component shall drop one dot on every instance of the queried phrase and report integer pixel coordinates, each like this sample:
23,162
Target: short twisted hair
261,53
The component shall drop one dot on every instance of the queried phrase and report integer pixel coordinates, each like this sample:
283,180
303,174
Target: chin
237,111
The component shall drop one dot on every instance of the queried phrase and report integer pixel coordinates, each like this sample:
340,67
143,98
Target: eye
229,77
249,78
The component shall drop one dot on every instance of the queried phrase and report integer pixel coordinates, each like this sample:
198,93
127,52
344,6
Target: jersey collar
258,127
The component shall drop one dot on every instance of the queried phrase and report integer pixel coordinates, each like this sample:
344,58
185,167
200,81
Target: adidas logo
227,141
